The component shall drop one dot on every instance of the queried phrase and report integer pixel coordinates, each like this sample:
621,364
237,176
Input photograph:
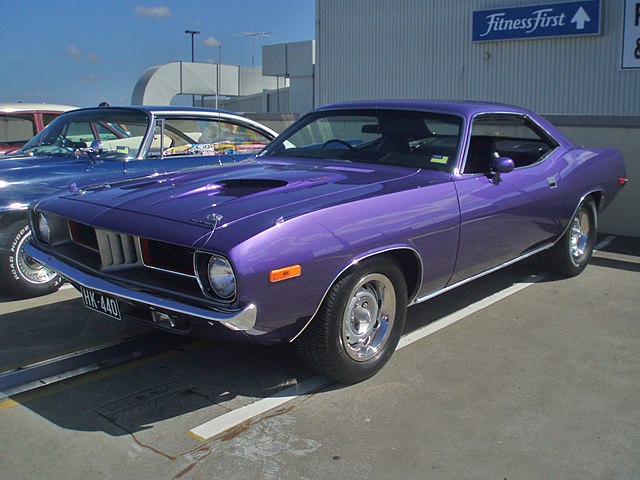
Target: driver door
503,217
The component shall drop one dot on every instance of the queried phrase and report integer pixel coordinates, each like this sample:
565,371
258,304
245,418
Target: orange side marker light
285,273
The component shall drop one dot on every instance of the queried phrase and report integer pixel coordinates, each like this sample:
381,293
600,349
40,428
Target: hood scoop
240,187
255,184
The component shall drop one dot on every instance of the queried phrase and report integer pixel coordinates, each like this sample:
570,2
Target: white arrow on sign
580,18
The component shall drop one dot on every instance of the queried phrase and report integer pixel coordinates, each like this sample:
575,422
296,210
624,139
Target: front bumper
237,320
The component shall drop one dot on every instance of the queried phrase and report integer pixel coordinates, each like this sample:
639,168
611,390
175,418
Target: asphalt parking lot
513,376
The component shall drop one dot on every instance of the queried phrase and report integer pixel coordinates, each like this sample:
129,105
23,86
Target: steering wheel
338,141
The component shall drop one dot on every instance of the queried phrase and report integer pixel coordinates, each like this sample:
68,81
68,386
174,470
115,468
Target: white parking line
454,317
229,420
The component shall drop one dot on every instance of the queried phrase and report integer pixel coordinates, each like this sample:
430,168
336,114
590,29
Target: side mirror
499,166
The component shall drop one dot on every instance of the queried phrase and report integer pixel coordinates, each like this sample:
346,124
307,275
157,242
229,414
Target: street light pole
193,33
218,74
253,36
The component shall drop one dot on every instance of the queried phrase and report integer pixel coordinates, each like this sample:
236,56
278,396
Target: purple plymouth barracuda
355,212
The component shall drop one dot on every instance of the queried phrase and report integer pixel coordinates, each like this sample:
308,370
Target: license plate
100,302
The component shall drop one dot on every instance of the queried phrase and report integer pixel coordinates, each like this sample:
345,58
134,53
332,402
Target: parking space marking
454,317
236,417
227,421
7,403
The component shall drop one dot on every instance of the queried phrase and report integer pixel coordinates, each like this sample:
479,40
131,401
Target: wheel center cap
361,319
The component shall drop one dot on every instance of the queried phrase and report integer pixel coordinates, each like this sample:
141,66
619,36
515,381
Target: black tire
20,276
571,254
359,323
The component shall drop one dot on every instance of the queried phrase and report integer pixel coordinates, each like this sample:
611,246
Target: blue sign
537,21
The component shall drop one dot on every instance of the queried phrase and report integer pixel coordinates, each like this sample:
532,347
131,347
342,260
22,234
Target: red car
19,122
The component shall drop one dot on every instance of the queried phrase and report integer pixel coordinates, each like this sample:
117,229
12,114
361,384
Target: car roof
170,109
166,109
460,107
30,107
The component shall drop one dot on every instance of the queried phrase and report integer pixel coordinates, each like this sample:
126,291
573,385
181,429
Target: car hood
225,195
19,168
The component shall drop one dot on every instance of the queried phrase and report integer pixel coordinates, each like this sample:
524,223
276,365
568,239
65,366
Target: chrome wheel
30,270
368,317
579,236
359,324
572,252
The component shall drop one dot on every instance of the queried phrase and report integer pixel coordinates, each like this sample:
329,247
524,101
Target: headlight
221,277
44,231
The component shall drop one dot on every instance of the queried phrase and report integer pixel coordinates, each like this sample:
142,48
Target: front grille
116,249
83,234
112,251
166,256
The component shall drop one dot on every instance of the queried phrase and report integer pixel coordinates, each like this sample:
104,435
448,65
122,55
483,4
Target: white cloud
89,79
212,42
153,12
75,53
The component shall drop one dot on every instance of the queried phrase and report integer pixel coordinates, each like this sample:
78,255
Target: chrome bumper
243,320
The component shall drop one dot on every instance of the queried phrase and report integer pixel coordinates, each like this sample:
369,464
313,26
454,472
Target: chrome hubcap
579,239
369,316
29,269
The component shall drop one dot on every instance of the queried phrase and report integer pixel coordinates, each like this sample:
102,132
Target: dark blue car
93,145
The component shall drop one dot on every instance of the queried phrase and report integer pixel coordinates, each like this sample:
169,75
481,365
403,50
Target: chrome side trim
244,319
355,262
482,274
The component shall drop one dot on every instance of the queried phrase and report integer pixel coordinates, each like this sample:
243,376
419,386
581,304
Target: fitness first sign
631,35
537,21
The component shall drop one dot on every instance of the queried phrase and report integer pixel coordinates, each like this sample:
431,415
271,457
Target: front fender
10,215
327,242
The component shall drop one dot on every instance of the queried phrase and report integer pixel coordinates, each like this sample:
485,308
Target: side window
79,134
106,132
505,135
47,118
16,128
210,137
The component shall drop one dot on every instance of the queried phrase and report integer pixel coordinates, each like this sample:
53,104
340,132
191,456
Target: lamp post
253,36
218,74
193,33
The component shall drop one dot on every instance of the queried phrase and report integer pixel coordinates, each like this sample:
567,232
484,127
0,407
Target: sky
81,53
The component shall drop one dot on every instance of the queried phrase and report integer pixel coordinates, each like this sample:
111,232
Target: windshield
393,137
110,132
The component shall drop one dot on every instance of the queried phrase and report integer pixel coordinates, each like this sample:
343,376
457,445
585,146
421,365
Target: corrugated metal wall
267,101
370,49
